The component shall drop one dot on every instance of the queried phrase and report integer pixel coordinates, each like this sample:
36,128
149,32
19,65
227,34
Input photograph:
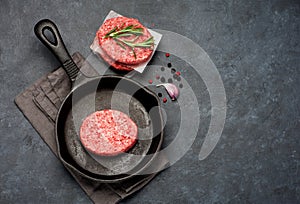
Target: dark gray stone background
255,47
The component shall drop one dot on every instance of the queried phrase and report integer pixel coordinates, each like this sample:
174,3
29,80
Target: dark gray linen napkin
40,103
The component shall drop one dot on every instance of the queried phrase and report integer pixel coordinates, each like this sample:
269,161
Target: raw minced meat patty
117,52
108,132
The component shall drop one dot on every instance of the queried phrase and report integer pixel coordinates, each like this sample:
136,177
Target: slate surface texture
255,46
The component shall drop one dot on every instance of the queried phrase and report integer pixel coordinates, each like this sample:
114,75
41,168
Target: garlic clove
171,89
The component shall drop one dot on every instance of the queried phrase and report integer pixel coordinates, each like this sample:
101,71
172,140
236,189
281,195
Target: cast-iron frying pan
98,93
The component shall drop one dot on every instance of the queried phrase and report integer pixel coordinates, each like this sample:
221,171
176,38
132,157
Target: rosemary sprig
131,43
111,31
128,31
147,43
120,44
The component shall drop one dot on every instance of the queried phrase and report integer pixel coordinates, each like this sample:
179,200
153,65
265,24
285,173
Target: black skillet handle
57,47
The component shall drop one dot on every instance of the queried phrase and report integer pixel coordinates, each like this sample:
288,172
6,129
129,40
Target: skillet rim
95,176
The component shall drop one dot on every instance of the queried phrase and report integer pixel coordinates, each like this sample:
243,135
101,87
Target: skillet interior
111,92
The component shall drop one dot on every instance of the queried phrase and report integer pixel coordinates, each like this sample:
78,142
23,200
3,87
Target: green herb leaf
147,43
128,31
111,31
134,53
120,44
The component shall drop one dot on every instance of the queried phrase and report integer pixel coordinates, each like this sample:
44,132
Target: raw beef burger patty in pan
108,132
123,53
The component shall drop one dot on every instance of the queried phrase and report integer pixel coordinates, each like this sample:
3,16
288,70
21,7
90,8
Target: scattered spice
159,94
176,76
165,100
178,73
173,70
150,81
169,64
157,76
167,54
